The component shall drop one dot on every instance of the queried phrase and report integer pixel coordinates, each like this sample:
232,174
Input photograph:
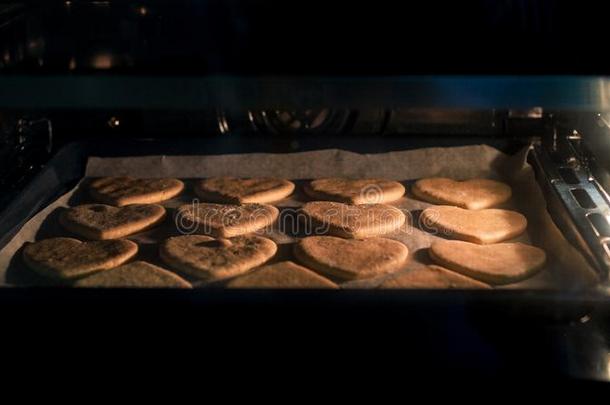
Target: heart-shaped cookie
351,221
432,277
211,259
502,263
281,275
363,191
240,191
225,220
472,194
350,259
99,221
68,258
483,226
122,191
134,275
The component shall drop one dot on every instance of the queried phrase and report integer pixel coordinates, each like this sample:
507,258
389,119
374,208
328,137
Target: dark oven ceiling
314,38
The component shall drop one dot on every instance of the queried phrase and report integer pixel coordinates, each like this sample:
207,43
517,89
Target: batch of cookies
343,235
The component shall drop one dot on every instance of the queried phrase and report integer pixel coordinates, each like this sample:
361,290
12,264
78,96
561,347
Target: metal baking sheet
566,268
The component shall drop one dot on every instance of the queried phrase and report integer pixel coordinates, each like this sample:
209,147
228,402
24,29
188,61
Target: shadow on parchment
284,252
299,191
81,194
422,256
408,184
50,227
415,218
290,222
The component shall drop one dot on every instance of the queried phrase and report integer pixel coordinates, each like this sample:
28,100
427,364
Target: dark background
271,37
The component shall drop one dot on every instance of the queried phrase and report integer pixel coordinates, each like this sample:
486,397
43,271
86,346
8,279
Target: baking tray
68,168
489,331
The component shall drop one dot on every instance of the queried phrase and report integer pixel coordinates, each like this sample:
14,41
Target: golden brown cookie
502,263
225,220
99,221
351,259
472,194
351,221
363,191
68,258
432,277
281,275
240,191
211,259
134,275
490,225
120,191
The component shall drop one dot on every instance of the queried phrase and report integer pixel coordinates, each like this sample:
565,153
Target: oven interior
118,78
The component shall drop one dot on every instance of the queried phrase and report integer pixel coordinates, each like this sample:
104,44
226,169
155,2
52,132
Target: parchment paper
566,267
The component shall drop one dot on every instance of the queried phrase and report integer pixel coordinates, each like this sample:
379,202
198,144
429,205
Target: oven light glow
102,61
114,122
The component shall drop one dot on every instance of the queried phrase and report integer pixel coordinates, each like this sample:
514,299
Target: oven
196,90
